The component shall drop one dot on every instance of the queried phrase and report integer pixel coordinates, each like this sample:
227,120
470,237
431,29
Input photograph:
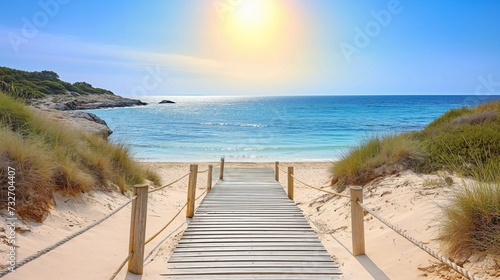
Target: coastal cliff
47,92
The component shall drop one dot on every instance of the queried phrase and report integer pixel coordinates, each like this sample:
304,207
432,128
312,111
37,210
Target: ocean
264,129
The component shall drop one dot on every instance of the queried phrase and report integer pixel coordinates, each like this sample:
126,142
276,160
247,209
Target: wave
233,124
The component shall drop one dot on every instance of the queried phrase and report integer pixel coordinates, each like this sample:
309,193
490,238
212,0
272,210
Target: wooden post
191,193
290,182
221,175
277,171
209,178
138,229
358,228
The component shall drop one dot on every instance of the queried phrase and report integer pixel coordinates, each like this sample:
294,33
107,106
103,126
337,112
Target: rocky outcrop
80,120
85,102
54,105
166,102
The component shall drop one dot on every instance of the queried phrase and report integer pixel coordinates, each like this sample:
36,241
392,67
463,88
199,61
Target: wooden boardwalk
247,228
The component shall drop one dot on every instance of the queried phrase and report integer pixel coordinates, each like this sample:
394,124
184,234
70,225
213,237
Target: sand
408,200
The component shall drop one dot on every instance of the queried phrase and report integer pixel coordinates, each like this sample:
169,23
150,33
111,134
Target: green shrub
38,84
461,148
448,117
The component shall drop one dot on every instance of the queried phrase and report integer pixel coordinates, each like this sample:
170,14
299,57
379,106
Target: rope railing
357,221
419,244
308,185
319,189
121,266
68,238
160,243
154,236
87,228
190,203
175,216
169,184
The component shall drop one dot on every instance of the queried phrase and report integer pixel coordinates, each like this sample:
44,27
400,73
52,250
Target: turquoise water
318,128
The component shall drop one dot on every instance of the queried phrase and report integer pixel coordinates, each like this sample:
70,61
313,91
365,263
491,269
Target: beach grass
464,141
376,157
470,224
50,157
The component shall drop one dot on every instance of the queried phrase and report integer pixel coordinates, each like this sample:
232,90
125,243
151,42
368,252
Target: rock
80,120
86,102
166,102
89,116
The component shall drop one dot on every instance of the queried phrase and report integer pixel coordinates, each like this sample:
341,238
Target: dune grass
459,141
50,157
471,221
464,141
376,157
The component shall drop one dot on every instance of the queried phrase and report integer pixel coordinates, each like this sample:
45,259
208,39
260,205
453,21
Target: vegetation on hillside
459,141
39,84
49,157
465,141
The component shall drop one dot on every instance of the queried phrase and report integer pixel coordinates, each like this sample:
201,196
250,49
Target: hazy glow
254,25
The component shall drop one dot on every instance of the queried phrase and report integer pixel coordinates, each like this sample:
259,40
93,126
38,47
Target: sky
259,47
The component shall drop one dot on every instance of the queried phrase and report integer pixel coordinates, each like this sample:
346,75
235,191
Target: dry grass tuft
471,222
49,157
377,157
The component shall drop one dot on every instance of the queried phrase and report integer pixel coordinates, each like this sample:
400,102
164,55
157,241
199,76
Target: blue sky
259,47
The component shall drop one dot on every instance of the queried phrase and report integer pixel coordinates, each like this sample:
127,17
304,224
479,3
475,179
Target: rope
163,228
199,172
162,187
68,238
121,266
282,170
453,265
176,215
316,188
159,244
313,187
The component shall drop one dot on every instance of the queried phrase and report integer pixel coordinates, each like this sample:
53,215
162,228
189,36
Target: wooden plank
252,232
315,258
247,228
252,264
265,248
255,277
250,245
252,270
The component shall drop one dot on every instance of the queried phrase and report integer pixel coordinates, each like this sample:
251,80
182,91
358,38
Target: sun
254,24
253,15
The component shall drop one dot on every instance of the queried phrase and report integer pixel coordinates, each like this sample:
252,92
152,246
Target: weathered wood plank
247,228
238,258
253,270
254,277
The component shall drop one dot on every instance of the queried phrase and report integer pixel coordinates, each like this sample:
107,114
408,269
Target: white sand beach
408,200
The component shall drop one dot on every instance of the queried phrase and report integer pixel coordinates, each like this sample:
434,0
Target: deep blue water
269,128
